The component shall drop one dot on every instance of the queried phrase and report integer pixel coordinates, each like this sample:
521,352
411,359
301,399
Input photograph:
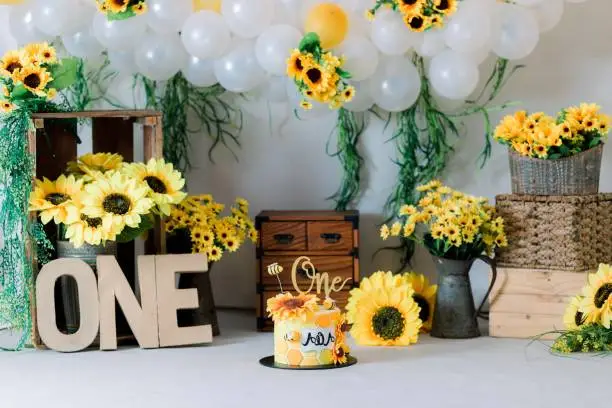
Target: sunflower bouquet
391,310
574,130
122,9
32,76
418,15
197,220
101,198
588,318
318,74
455,225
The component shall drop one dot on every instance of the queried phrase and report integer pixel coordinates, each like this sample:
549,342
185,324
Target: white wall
287,168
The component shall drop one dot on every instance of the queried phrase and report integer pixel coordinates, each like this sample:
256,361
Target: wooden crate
330,239
529,302
53,143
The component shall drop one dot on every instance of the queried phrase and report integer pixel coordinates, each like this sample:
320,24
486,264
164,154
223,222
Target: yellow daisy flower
117,6
214,254
348,94
446,7
425,296
231,244
140,8
117,200
164,181
35,79
396,229
384,232
410,6
6,107
48,55
316,78
53,199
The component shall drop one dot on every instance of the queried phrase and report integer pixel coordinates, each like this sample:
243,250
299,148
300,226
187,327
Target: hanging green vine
221,121
350,128
424,136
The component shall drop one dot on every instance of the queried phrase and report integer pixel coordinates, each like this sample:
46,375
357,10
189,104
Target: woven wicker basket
571,233
576,175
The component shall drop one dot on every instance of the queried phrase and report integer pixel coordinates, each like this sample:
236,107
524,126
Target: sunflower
6,107
11,63
117,6
164,181
286,306
93,163
231,244
139,8
341,353
348,94
48,55
604,124
416,22
117,200
573,317
380,279
31,54
316,78
596,293
102,7
214,254
591,124
425,296
446,7
54,199
34,78
297,63
565,130
86,229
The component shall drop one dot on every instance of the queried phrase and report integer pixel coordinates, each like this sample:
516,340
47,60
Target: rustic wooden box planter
330,239
54,144
570,233
526,303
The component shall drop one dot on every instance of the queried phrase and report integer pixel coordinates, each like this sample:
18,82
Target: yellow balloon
213,5
3,2
330,22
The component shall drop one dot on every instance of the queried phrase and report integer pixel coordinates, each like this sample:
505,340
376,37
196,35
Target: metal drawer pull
284,239
331,238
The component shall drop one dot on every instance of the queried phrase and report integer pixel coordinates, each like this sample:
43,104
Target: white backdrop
286,167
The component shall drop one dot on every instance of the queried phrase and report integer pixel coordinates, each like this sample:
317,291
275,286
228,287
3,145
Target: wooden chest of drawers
330,239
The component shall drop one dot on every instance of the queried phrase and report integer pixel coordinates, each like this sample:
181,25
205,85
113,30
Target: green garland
422,138
221,121
350,128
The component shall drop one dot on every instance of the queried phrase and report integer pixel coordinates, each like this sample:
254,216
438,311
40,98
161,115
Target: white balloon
469,29
247,18
200,72
273,47
432,43
361,57
479,56
274,89
7,42
159,57
119,35
390,35
21,23
453,75
396,84
53,16
362,101
519,34
286,13
529,3
124,62
81,17
238,70
168,16
206,35
83,44
127,92
548,14
576,1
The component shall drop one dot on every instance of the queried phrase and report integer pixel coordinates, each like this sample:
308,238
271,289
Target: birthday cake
307,332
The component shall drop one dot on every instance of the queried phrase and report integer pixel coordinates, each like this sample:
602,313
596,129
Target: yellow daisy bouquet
318,74
391,310
197,223
454,225
588,317
121,9
418,15
101,198
574,130
33,75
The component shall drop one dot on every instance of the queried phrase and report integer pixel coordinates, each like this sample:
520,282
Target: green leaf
130,234
120,16
594,142
343,74
564,150
554,156
64,74
310,43
20,92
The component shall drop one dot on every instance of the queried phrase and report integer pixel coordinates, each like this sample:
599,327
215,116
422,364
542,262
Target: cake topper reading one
320,281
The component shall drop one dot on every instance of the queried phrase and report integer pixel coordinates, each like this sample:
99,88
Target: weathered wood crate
53,143
529,302
568,233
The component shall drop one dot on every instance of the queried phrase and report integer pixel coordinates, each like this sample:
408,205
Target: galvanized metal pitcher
455,316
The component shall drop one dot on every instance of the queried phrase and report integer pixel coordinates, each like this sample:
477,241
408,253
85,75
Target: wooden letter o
87,287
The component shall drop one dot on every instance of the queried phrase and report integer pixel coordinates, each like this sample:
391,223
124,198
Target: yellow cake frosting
308,340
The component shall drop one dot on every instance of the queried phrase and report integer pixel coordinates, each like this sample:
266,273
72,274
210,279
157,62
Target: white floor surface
484,372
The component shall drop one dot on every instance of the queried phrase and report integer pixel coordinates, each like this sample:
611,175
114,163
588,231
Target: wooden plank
98,114
330,235
304,215
56,145
285,236
153,141
113,135
524,325
540,304
537,282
